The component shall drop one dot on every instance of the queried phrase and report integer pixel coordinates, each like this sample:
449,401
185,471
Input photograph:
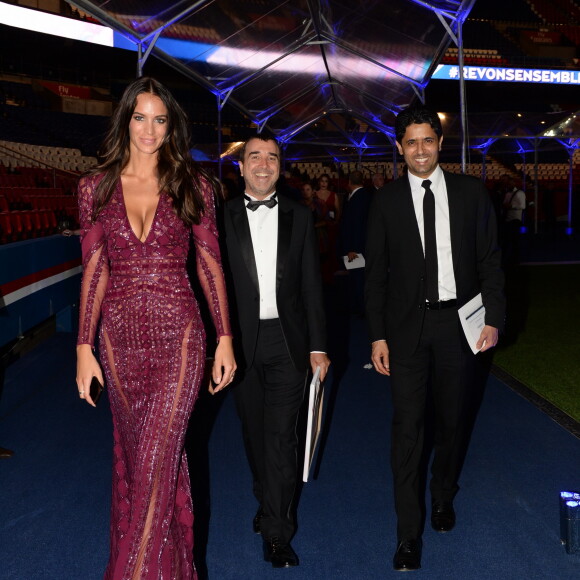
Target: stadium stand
44,149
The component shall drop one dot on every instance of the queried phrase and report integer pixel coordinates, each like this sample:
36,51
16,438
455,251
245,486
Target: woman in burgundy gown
330,201
139,209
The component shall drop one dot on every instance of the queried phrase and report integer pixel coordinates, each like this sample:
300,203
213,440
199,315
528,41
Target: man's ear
399,148
241,164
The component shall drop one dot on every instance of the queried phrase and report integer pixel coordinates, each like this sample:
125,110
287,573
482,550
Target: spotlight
570,521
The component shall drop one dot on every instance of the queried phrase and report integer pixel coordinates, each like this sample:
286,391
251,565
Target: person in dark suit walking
431,247
352,237
273,266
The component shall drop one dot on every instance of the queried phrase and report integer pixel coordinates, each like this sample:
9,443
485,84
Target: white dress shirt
516,200
264,231
446,276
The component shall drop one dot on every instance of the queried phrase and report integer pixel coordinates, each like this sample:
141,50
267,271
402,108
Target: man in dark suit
431,247
378,180
279,323
352,237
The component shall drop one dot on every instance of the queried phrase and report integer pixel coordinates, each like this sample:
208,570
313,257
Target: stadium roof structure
328,72
516,132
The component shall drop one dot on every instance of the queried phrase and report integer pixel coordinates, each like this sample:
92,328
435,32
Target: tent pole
536,141
570,187
139,60
524,170
462,98
219,143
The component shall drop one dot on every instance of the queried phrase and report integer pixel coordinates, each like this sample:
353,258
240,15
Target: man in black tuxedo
352,237
431,247
280,328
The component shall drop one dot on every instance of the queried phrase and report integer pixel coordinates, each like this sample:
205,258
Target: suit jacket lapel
242,229
408,218
285,221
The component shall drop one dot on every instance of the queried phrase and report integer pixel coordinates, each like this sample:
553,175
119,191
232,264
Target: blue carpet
55,490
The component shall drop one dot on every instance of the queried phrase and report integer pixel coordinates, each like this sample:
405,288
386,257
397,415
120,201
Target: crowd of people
262,258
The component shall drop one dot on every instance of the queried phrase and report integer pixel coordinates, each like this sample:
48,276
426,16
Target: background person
331,202
139,210
378,180
352,237
513,206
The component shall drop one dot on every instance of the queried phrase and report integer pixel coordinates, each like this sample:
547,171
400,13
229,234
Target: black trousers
443,361
510,236
268,400
356,284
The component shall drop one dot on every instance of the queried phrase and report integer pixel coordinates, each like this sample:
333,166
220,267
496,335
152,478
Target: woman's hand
224,365
87,368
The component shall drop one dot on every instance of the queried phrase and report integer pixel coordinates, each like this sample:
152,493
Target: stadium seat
6,228
27,228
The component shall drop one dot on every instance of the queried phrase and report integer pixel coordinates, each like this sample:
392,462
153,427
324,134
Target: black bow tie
254,205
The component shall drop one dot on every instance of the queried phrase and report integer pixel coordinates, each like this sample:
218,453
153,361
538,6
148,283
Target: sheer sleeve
209,265
95,264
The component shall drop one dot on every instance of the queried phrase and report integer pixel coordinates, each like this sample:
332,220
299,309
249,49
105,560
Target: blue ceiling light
485,145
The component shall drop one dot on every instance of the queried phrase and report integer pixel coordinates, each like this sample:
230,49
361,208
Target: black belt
441,305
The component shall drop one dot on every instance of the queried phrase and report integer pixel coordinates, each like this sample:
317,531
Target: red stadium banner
64,90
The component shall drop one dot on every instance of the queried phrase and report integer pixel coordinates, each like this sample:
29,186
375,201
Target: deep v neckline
127,215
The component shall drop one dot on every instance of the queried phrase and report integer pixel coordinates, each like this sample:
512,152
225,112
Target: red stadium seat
17,227
25,226
6,228
52,223
38,229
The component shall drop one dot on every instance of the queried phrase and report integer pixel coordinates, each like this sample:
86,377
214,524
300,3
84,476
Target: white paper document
472,316
314,422
358,262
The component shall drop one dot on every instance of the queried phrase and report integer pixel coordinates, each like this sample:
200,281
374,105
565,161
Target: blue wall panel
24,268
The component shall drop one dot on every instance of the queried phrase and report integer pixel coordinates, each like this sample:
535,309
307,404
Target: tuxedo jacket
395,264
299,294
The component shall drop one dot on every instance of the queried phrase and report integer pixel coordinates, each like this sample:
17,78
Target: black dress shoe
442,516
408,555
279,554
257,521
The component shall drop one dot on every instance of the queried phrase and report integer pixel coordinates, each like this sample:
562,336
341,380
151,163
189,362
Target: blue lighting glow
485,145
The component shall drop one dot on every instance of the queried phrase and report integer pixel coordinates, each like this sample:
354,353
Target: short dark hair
262,137
355,177
417,114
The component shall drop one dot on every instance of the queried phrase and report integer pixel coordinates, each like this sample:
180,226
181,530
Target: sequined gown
152,350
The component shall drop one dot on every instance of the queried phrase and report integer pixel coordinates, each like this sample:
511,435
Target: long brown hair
180,176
